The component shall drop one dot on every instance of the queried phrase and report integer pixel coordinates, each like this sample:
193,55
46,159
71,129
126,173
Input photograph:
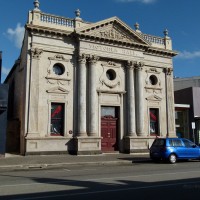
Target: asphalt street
141,180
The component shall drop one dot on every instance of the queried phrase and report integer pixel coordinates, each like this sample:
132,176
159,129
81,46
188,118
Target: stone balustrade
51,19
158,41
154,39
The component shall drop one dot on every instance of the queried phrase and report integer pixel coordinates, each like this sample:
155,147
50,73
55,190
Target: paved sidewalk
16,162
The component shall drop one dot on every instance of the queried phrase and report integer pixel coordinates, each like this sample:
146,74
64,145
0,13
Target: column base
137,144
87,145
32,134
82,134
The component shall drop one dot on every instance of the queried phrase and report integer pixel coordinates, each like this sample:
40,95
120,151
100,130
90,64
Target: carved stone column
33,115
82,96
170,102
139,99
130,99
92,97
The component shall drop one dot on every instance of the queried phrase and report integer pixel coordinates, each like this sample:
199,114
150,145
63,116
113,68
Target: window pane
108,111
154,121
57,119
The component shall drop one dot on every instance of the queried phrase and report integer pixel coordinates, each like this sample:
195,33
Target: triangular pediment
112,29
58,89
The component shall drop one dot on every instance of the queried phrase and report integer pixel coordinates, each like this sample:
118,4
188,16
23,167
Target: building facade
187,91
88,88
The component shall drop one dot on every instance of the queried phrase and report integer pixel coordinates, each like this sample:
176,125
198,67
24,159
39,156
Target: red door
109,133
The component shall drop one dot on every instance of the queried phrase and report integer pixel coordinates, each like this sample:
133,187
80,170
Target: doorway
109,129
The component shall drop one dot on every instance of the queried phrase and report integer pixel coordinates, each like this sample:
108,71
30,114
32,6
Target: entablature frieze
108,51
54,49
47,32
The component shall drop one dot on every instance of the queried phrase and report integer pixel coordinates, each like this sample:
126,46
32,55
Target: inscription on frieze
110,49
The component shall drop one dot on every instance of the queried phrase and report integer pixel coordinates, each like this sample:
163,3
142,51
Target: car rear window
159,142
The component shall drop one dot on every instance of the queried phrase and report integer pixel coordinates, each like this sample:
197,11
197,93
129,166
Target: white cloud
140,1
189,55
16,35
5,71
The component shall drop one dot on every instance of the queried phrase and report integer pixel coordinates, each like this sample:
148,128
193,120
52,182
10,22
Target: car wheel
172,158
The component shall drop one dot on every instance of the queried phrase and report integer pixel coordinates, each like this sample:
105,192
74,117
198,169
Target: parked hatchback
173,149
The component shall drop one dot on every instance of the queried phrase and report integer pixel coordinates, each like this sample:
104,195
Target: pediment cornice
112,30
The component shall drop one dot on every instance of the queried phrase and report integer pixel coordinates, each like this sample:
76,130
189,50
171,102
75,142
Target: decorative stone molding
156,87
54,78
36,53
130,64
59,81
110,64
113,33
83,58
153,98
59,57
104,79
110,84
111,92
112,30
156,90
139,65
153,71
168,71
57,90
93,59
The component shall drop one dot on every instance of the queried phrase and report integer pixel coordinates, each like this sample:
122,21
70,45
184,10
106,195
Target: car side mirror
194,145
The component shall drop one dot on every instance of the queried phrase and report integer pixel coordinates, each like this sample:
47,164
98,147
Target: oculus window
153,80
111,74
58,69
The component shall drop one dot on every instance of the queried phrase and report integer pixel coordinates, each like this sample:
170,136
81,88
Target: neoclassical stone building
88,88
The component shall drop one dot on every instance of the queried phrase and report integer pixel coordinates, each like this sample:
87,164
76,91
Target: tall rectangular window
154,121
57,119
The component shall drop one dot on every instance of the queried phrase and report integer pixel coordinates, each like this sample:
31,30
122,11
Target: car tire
172,158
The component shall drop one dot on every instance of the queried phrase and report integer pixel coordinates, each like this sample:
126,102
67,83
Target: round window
111,74
58,69
153,80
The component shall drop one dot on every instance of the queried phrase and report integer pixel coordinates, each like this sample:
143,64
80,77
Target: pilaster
170,102
33,115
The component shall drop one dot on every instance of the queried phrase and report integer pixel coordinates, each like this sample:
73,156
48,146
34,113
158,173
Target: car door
179,148
191,149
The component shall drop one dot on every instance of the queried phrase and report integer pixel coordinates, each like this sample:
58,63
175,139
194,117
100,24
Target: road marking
113,190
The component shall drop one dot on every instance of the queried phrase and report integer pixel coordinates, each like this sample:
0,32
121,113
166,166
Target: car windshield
159,142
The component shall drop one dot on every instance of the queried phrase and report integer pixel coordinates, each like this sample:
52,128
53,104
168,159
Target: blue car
173,149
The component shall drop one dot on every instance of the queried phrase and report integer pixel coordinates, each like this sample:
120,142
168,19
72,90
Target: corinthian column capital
93,59
168,71
130,64
36,53
82,58
139,65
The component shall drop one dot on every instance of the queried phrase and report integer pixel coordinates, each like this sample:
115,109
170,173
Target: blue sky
180,17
